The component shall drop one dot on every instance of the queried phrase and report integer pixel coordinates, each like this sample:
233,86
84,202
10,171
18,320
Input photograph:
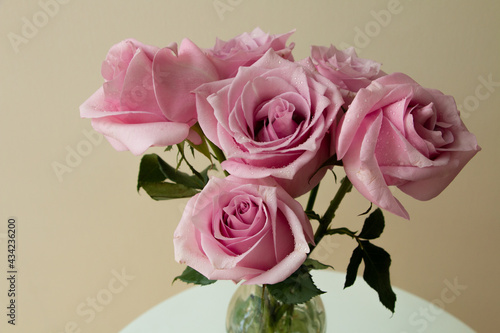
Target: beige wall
76,232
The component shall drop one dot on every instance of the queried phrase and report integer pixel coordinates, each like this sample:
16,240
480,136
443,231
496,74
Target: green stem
312,198
289,317
341,231
218,153
325,221
266,323
263,307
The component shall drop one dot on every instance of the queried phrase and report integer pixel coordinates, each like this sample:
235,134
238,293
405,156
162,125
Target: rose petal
139,137
363,171
176,76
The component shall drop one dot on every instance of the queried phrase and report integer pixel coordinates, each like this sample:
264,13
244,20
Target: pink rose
344,68
241,229
272,119
176,75
397,133
146,98
245,49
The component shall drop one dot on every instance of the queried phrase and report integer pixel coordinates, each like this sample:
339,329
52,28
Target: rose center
431,134
240,214
243,208
279,121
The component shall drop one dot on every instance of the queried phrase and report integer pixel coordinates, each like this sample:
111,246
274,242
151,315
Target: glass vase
253,309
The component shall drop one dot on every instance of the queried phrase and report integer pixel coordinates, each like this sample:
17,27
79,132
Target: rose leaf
315,264
167,191
352,268
297,288
373,226
149,170
190,275
376,274
153,169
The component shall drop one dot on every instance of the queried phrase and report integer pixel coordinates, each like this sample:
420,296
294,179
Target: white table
353,310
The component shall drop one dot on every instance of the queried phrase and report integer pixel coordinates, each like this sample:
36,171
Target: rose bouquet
276,126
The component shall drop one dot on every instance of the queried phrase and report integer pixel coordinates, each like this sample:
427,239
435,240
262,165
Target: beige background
76,232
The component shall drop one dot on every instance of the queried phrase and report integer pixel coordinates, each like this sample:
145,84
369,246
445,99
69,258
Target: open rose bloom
276,126
146,100
242,229
274,118
344,68
397,133
245,49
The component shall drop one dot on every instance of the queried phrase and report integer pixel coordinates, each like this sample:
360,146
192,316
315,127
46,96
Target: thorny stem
312,198
325,221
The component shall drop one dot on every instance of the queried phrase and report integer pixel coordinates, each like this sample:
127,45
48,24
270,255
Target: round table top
355,309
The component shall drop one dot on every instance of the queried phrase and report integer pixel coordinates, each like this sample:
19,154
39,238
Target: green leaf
166,191
149,171
314,264
377,262
153,171
190,275
352,268
297,288
373,226
180,177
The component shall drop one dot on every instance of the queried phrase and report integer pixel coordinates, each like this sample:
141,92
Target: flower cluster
276,125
